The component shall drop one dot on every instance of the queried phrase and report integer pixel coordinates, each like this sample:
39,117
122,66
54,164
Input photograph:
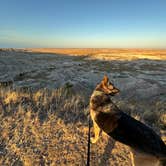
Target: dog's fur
146,145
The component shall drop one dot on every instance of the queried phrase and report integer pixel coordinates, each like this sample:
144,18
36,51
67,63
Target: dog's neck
99,99
100,95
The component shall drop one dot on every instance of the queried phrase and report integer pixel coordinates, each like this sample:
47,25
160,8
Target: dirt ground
139,74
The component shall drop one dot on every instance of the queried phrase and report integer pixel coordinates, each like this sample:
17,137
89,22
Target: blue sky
83,23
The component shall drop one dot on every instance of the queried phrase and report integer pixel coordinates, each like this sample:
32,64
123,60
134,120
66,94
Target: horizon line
123,48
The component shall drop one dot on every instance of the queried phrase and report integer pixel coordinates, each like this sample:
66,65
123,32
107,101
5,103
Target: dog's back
123,127
138,136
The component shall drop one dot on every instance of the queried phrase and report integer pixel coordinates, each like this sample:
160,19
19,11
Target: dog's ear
105,80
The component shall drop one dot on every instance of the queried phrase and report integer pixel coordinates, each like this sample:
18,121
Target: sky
83,23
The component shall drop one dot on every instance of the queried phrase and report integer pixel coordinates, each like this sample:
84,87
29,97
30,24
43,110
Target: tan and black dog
147,147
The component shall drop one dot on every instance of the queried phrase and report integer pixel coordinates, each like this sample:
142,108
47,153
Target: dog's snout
115,90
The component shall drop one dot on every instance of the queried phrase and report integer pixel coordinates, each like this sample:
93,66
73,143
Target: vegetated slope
49,127
42,128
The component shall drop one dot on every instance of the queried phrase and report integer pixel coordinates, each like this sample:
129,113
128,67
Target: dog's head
107,87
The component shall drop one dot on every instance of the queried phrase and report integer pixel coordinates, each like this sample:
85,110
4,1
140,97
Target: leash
88,152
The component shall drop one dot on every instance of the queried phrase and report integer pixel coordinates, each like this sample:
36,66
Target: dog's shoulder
107,117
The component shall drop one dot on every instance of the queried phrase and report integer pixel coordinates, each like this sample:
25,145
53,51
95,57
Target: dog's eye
110,84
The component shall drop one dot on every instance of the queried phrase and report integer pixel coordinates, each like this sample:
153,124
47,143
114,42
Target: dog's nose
116,90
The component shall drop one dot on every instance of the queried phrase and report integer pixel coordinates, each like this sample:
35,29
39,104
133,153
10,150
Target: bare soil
139,74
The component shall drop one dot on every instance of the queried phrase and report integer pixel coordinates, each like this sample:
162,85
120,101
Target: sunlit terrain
109,54
44,99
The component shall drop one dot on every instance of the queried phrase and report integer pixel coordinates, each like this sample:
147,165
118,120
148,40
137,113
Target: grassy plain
44,102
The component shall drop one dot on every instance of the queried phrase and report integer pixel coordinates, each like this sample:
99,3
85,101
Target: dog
147,147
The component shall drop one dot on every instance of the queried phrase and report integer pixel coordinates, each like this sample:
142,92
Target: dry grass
49,127
42,128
